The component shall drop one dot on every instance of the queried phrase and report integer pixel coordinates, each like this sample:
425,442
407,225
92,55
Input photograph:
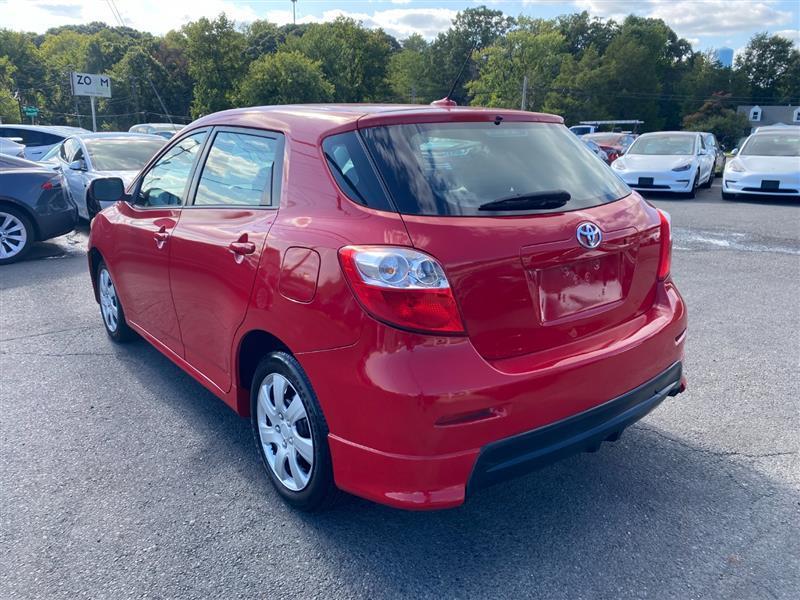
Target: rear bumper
583,432
415,419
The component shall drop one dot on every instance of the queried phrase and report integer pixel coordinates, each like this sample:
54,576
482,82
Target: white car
83,158
38,139
165,130
668,161
767,164
11,147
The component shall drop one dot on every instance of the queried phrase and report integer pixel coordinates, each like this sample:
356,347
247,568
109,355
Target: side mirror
735,151
104,190
77,165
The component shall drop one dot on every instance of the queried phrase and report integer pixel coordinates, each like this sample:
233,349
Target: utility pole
524,91
294,14
94,116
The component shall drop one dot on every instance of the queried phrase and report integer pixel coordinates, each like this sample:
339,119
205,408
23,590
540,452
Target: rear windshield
455,168
664,145
765,144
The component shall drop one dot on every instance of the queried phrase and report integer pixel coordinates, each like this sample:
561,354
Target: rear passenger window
238,171
353,171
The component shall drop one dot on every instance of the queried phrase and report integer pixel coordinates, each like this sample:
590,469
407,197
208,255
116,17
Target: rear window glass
350,167
121,154
765,144
456,168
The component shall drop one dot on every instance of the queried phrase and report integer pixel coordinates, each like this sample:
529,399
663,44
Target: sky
705,23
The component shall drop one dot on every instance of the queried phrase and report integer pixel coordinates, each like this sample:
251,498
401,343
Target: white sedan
83,158
669,161
767,164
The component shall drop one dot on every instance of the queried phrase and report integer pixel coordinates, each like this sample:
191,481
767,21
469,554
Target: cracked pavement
123,478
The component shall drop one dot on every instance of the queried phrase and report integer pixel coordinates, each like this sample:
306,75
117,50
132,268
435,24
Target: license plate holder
770,184
645,181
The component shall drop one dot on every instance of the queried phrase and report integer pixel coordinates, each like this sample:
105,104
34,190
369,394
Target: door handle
242,247
161,236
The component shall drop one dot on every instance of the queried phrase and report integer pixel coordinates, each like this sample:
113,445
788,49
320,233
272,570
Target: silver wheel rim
285,432
13,235
109,305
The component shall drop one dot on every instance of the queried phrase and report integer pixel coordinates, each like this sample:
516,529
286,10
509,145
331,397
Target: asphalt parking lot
121,477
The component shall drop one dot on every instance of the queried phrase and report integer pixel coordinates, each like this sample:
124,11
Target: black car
34,206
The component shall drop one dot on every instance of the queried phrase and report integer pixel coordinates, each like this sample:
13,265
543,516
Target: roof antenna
448,101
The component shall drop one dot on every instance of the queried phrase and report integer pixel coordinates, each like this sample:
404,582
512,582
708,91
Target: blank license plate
645,181
768,184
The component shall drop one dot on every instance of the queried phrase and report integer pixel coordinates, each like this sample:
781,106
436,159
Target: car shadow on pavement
652,515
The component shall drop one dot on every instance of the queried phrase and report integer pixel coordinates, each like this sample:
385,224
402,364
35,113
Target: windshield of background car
665,145
121,154
606,139
766,144
454,168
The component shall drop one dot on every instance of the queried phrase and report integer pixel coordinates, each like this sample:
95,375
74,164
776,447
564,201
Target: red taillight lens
402,287
665,257
47,185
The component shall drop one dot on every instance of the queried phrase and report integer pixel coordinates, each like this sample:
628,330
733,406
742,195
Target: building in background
764,116
724,56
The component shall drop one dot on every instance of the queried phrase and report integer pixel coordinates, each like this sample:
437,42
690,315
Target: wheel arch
95,258
22,207
253,346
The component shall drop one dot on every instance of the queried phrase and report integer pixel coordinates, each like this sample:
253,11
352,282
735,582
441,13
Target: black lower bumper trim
583,432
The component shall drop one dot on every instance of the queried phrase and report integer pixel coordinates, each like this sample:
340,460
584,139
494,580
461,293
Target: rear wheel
16,235
291,433
111,308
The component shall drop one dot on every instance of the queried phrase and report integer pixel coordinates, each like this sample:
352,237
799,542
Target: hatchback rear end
531,316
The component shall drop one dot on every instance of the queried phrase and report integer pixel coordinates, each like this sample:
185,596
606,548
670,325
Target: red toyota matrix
410,303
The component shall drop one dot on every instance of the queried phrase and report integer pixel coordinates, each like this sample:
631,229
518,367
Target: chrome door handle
161,236
242,247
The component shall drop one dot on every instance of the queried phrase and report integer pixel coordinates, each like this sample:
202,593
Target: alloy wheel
284,432
13,235
109,305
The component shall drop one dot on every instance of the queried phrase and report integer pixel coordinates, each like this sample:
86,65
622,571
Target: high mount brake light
402,287
665,256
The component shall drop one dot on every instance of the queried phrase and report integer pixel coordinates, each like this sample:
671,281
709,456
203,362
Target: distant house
762,116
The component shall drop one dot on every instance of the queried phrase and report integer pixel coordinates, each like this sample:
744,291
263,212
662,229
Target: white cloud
159,16
790,34
690,18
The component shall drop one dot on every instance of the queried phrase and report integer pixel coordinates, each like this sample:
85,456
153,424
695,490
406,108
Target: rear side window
353,172
238,171
455,168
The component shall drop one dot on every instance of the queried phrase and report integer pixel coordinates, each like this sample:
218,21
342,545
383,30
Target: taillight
47,185
51,183
402,287
665,256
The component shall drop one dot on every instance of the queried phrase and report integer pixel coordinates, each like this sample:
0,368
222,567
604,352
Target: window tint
238,171
772,144
455,168
122,153
664,144
353,172
164,184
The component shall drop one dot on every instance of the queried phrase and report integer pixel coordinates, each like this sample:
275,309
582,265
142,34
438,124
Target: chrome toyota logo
589,235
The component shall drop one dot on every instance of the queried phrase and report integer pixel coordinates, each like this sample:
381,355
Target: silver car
39,139
83,158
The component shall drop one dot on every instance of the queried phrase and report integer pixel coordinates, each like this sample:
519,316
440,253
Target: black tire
8,244
728,196
320,492
693,193
708,183
121,333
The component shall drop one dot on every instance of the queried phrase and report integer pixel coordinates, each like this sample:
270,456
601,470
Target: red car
410,303
613,144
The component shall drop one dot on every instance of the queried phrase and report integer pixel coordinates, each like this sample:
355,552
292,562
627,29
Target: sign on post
89,84
92,85
30,111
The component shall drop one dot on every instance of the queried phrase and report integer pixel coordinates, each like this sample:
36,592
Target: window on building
755,113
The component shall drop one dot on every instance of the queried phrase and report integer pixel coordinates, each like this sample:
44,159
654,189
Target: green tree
582,31
770,66
262,37
9,109
284,78
215,50
407,71
352,57
505,64
581,89
714,116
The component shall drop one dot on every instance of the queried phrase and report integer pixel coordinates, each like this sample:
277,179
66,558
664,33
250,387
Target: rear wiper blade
531,201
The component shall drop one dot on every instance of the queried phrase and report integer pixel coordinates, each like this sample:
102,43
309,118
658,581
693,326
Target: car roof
64,130
311,122
107,135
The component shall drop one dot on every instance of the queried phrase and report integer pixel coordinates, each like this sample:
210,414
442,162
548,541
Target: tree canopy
575,65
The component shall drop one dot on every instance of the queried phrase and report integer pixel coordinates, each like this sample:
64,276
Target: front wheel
291,433
16,235
695,183
708,183
111,307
